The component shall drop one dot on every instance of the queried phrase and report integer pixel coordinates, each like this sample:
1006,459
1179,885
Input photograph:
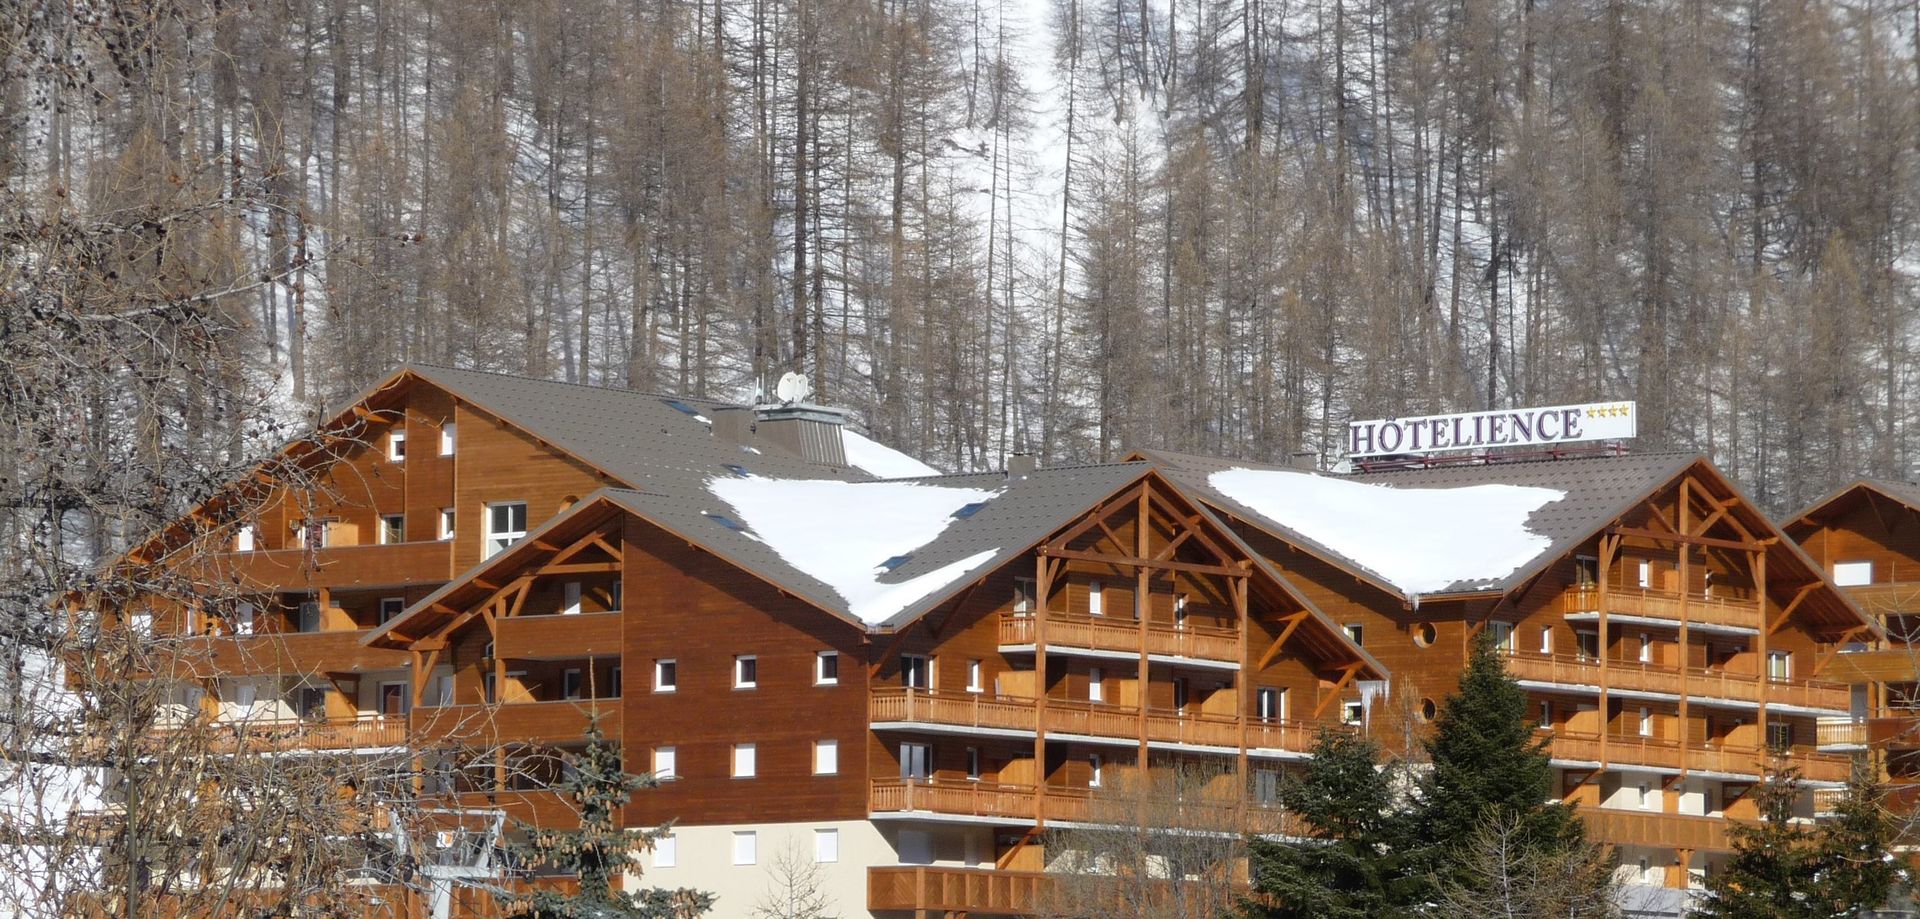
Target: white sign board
1560,424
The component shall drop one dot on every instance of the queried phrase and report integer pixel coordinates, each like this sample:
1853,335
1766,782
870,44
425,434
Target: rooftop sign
1560,424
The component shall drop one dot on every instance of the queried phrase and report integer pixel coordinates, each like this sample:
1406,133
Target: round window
1424,634
1428,710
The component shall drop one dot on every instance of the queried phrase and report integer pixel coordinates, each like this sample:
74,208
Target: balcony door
394,701
916,762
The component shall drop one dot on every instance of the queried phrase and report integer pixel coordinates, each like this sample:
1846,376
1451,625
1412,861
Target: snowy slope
841,533
1420,540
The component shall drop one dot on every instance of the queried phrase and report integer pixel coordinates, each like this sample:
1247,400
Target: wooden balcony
1733,612
1630,751
1887,599
1840,732
363,734
335,567
1016,804
541,808
894,705
1648,828
559,636
307,653
961,798
964,890
558,722
1695,682
1896,664
1114,634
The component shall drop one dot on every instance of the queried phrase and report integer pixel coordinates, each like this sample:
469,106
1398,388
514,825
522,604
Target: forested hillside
1213,225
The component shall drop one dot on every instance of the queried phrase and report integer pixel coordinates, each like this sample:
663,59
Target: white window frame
1022,596
666,851
741,678
1502,634
666,764
1646,574
1646,648
243,614
489,537
1546,639
1852,574
1096,685
386,538
746,846
244,538
745,761
1095,770
397,446
570,598
447,439
1784,671
1275,712
664,681
925,670
1356,633
1096,599
1179,611
820,662
446,523
1353,712
976,680
1646,721
826,846
826,757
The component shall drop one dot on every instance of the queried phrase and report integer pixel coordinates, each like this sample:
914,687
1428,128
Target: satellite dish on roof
793,387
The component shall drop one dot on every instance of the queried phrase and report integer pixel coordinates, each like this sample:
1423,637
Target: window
446,523
1425,634
571,683
826,846
1646,796
1852,574
666,851
393,529
1646,648
244,695
916,671
916,761
826,757
1502,635
1546,639
1180,611
826,668
1355,632
1269,704
1353,712
613,682
446,439
310,703
664,764
1093,770
1587,645
745,847
506,525
666,676
491,692
619,595
243,538
1779,736
243,619
974,677
973,764
397,446
1266,786
746,672
1180,696
1646,574
1096,685
1779,665
443,689
1546,715
311,534
1429,710
570,598
391,608
1646,721
743,760
1586,571
309,616
1096,599
1023,595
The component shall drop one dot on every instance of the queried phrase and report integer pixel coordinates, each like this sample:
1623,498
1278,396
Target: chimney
1304,460
1021,464
732,423
811,432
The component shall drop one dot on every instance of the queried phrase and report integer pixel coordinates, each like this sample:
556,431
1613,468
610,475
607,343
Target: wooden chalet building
1867,537
902,681
1674,643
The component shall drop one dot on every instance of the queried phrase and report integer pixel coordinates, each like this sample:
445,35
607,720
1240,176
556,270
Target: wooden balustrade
1699,683
1648,828
554,722
1735,612
1092,719
978,890
1631,750
962,798
896,705
1013,802
293,734
1840,732
339,567
1101,633
968,709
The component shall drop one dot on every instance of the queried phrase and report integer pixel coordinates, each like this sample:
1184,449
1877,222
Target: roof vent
1019,464
811,432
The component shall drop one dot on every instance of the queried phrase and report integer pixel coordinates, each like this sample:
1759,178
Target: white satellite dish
793,387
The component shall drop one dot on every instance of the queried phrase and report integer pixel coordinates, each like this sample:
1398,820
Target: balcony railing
1016,802
291,653
1666,753
1888,598
1840,732
1699,683
1736,612
553,722
262,735
1093,719
975,890
1647,828
1101,633
339,567
965,799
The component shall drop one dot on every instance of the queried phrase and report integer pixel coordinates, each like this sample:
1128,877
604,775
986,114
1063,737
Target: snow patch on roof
881,461
840,533
1421,540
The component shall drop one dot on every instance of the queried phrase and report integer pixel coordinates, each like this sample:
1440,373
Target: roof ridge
424,365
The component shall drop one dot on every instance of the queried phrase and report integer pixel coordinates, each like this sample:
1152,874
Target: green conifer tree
1355,863
1488,767
601,852
1840,868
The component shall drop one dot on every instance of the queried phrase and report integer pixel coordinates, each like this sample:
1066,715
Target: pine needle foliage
601,853
1780,869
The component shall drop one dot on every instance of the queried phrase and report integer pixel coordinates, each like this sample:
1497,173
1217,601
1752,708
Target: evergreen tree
600,853
1786,870
1488,767
1355,863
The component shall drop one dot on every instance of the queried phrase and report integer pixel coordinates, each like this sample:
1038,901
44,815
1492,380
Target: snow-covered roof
881,461
852,535
1392,531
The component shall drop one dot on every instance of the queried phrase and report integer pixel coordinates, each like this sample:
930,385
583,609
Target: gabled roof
1906,494
998,519
1594,493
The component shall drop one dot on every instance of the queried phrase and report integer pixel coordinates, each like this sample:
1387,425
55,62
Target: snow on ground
1392,532
881,461
840,533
